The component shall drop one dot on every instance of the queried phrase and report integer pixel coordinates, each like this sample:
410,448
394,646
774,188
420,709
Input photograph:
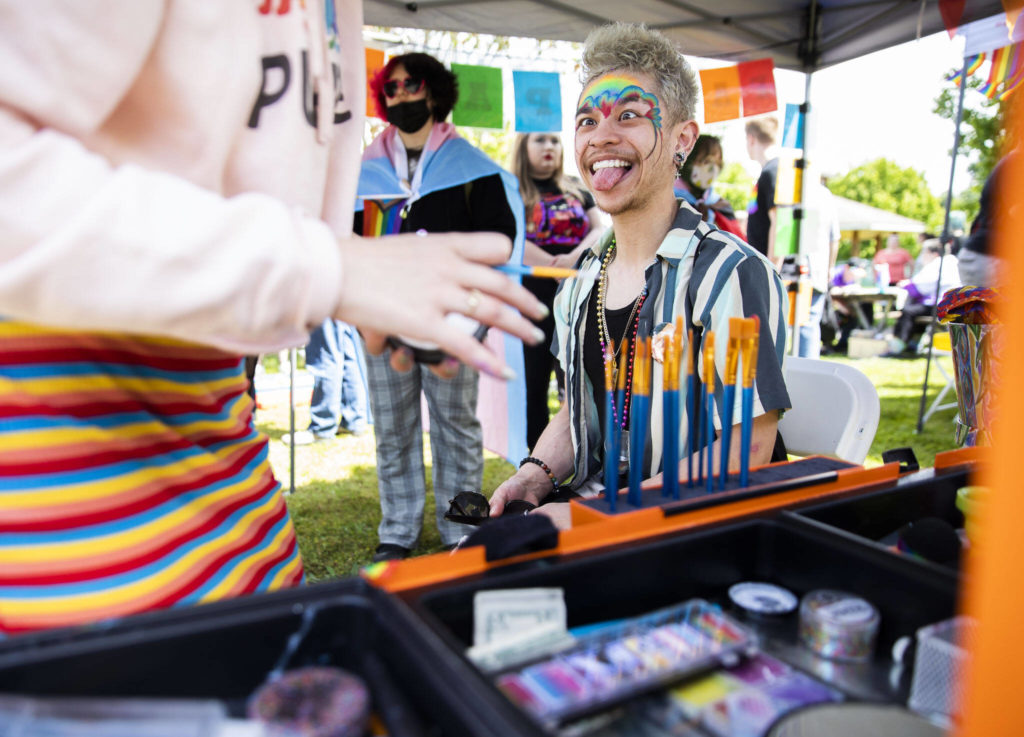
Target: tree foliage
735,186
982,133
888,186
884,184
983,136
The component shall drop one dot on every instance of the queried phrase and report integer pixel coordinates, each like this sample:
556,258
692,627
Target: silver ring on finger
473,301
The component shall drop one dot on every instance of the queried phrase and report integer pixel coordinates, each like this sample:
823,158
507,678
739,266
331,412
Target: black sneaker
390,551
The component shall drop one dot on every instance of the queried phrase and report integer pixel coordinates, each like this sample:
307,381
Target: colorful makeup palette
625,660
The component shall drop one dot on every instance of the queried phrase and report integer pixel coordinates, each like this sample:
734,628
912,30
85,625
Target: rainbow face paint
611,90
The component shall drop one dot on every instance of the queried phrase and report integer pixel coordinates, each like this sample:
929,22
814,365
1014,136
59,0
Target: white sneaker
302,437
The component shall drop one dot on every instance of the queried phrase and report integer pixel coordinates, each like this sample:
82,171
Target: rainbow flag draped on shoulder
448,160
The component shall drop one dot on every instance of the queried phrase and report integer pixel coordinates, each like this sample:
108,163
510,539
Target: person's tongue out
608,173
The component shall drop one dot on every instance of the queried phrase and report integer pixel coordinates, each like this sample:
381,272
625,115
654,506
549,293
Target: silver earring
679,158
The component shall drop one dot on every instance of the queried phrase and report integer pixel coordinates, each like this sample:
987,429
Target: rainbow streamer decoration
382,217
971,65
1015,73
1005,71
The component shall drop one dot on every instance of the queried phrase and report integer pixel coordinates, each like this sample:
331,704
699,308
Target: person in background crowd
921,296
339,404
979,266
446,185
762,137
177,183
561,223
898,260
696,180
821,259
634,128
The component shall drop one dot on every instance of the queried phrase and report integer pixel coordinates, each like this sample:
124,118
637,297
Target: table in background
854,296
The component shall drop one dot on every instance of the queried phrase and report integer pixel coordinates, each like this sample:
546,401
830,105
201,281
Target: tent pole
292,357
945,238
801,209
809,56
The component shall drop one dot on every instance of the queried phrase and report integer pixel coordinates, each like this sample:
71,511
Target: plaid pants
456,446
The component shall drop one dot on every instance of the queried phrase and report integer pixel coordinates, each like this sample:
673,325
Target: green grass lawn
336,509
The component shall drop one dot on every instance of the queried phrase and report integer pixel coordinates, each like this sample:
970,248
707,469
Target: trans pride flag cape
448,160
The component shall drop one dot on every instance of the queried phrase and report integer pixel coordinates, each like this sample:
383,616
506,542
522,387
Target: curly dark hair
441,83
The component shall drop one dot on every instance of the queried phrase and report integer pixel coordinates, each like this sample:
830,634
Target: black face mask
409,117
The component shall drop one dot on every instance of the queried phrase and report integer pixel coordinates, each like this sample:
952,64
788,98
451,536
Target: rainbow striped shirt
131,478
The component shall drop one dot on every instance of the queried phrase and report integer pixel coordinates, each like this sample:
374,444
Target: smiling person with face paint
634,129
696,180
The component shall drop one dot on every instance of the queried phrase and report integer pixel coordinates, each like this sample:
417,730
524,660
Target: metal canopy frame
797,35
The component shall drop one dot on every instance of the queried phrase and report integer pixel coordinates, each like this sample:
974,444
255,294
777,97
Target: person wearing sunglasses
419,175
178,181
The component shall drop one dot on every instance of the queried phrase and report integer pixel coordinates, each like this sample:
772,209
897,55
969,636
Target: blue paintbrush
732,356
691,411
670,417
638,414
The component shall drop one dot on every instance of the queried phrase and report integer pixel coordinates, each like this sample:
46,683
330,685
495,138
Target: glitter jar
838,625
312,702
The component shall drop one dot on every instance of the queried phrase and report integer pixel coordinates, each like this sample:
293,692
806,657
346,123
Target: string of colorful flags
1005,74
729,93
739,91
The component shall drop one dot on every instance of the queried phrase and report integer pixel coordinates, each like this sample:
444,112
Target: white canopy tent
856,217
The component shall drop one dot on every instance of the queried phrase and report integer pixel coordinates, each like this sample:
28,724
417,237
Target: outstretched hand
408,283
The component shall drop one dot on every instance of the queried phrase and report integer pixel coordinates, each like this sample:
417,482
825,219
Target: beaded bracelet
544,467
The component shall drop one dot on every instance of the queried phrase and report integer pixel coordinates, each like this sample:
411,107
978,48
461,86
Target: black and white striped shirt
706,276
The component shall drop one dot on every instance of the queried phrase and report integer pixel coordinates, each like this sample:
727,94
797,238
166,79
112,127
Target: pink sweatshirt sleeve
87,244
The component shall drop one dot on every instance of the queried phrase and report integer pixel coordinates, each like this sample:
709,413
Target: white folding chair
942,346
835,410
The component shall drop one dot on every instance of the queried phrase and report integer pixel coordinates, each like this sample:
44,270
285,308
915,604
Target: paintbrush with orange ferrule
709,420
732,357
670,418
749,348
